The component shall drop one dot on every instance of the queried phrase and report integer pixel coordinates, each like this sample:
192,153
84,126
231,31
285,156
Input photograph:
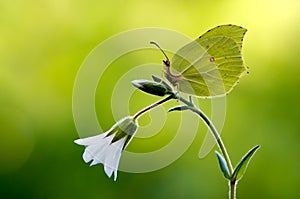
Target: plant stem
232,185
216,135
144,110
212,129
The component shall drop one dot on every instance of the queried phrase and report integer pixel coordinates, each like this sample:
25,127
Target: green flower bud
152,87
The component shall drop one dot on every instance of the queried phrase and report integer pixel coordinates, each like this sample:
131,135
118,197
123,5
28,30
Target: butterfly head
167,63
173,79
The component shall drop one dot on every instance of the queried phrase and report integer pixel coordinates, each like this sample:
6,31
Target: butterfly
209,66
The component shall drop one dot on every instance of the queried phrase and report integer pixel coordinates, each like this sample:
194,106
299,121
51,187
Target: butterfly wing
212,64
234,32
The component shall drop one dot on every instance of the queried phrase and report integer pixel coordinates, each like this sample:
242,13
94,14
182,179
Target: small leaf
179,108
242,165
223,165
156,79
191,100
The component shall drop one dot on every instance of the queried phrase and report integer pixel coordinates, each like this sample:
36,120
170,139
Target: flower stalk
159,87
232,185
212,129
148,108
232,175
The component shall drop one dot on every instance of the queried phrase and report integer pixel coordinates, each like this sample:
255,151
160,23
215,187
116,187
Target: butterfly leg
177,92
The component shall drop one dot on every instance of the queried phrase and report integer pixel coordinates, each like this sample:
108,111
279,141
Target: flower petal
113,154
91,140
108,171
107,147
112,157
87,157
94,162
98,150
115,175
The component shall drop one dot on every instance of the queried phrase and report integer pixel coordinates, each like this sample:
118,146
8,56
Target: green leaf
191,99
242,165
223,165
179,108
156,79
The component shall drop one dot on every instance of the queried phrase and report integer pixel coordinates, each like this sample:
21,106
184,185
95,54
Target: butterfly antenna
167,61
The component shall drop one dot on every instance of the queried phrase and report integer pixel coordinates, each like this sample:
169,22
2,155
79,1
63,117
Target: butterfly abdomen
173,79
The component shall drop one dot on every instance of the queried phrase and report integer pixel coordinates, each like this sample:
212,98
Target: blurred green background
42,45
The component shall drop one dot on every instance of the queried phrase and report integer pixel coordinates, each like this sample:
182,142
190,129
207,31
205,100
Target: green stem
212,129
232,185
148,108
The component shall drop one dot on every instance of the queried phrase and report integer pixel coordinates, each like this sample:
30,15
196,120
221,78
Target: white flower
107,147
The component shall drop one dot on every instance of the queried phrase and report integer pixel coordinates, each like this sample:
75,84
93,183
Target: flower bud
151,87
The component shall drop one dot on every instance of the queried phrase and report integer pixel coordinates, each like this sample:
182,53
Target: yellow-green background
42,45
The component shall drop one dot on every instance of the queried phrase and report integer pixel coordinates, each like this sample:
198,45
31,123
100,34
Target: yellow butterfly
210,65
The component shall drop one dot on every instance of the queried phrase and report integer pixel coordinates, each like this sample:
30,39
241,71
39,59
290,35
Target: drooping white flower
107,147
